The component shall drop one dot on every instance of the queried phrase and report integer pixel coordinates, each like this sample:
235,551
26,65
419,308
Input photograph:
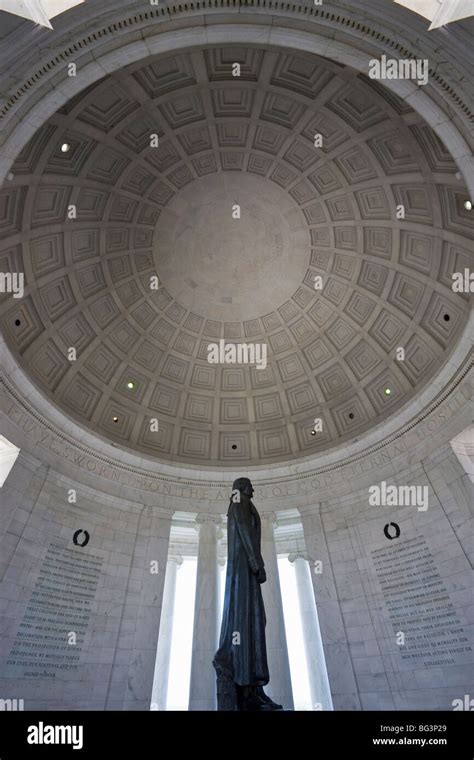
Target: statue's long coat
244,613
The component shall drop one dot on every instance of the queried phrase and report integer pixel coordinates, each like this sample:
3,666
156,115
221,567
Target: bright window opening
222,574
182,637
8,455
39,11
440,12
463,447
294,636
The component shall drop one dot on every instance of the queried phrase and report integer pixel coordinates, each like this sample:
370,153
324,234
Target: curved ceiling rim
460,363
388,21
278,37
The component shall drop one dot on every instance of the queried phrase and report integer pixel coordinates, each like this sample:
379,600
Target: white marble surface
315,661
279,687
202,690
163,653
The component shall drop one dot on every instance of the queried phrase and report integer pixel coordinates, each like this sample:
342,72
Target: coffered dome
376,211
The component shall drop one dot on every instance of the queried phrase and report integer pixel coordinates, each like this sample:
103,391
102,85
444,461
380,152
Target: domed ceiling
230,145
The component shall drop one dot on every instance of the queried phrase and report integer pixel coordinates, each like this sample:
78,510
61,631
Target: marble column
279,688
202,692
162,664
315,662
221,561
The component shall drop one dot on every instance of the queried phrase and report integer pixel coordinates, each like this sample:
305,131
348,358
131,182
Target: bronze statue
241,660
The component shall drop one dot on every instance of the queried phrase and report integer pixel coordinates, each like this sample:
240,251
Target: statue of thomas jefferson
241,660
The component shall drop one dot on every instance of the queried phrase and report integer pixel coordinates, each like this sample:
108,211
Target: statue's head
243,485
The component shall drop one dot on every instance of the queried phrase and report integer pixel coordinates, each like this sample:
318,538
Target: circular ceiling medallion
230,246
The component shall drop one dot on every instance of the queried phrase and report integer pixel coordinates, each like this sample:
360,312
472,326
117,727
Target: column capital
202,518
176,558
297,555
269,517
221,561
310,509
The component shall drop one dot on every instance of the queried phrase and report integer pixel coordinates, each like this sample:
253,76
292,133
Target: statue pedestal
232,698
226,693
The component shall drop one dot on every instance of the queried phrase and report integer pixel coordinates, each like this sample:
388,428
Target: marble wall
397,613
105,591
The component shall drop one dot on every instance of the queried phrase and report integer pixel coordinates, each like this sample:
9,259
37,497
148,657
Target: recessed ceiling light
115,419
313,432
130,385
65,147
388,391
468,205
